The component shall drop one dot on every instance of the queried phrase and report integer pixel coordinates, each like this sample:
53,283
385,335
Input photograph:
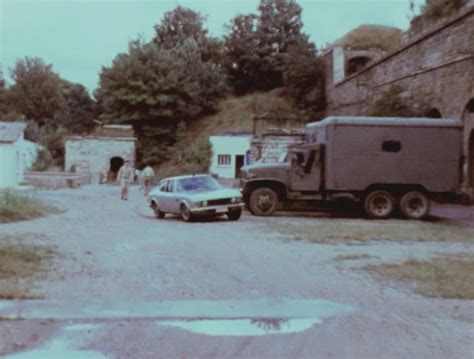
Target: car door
163,197
306,173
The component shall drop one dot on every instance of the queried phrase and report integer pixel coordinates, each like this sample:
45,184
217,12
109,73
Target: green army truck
383,163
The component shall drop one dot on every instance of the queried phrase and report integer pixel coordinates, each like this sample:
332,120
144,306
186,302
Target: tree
240,46
257,45
303,79
279,27
37,90
154,89
78,110
3,91
183,25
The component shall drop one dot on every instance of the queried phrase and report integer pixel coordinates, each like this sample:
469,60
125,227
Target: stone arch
115,163
433,113
468,124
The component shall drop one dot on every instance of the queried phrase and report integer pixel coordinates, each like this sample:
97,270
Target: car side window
163,186
170,186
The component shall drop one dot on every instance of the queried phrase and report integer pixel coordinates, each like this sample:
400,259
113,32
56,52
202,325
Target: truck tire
414,205
379,204
263,201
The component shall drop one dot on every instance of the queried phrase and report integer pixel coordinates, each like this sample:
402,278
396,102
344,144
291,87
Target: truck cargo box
362,151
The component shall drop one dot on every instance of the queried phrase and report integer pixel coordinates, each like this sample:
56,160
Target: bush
16,207
435,10
44,161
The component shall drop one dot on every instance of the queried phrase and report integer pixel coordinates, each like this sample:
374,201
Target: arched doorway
115,164
433,113
470,153
468,123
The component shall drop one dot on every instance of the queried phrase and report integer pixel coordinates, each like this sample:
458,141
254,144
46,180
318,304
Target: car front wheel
235,214
186,214
156,209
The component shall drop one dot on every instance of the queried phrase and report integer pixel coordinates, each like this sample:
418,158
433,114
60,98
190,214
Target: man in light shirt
125,177
148,177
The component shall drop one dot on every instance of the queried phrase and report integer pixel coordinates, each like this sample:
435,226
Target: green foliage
78,110
37,90
257,46
154,89
435,10
183,25
391,103
15,206
303,79
364,37
44,161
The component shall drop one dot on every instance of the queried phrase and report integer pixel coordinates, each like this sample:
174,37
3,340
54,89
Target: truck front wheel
414,205
379,204
263,201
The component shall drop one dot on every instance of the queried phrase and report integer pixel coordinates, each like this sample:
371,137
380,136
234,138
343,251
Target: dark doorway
470,171
115,164
239,163
356,64
433,113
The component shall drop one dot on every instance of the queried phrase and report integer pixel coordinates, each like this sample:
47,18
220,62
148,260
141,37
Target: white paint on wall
11,163
224,146
338,64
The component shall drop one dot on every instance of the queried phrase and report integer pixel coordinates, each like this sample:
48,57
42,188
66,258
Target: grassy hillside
366,37
235,114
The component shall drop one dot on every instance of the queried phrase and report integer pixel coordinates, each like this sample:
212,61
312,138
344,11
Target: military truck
385,164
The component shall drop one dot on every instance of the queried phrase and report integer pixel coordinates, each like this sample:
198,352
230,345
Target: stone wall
273,134
435,67
93,154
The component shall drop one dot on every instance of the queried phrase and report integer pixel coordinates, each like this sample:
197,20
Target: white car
196,195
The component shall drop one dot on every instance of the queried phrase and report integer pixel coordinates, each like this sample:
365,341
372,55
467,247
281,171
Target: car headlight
236,199
202,204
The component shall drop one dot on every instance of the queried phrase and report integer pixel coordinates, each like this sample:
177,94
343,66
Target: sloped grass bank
16,206
22,261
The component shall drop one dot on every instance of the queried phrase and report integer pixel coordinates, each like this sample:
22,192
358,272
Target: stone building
435,67
102,152
273,133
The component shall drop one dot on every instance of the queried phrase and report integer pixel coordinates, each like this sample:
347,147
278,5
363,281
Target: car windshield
198,184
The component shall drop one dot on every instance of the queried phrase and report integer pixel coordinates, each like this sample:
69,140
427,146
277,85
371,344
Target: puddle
61,347
244,327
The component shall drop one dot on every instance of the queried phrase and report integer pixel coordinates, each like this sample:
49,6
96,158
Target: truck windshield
283,157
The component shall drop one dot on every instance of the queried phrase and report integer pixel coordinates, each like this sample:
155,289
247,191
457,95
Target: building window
391,146
223,160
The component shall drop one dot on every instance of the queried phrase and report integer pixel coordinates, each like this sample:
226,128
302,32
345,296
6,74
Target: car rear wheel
379,204
263,201
186,214
156,209
414,205
235,214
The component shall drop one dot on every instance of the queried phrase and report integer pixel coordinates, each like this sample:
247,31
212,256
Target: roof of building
386,121
11,131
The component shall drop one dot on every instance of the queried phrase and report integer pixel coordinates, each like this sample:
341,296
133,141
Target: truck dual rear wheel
379,204
263,201
414,205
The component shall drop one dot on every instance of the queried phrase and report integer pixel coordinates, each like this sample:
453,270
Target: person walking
125,177
148,177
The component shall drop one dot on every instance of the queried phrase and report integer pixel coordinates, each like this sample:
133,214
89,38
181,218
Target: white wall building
11,153
229,153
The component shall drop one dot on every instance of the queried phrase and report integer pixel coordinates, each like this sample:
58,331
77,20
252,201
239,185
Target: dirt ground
127,285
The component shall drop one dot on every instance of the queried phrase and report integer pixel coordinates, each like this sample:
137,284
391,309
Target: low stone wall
56,180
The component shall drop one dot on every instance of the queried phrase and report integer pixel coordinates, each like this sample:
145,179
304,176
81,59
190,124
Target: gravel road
127,285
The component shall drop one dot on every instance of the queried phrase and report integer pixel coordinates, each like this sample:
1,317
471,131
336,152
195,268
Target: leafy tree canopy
364,37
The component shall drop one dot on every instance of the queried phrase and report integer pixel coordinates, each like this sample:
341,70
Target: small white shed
11,153
229,153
